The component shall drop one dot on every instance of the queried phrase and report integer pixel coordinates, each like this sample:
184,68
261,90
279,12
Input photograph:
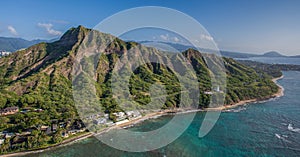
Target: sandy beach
279,93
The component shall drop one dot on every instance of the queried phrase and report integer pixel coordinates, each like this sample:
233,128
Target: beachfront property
100,121
103,120
9,111
120,116
75,131
133,114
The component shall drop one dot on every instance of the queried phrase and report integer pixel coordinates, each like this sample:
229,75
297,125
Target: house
2,141
9,110
133,114
44,128
9,135
120,116
100,121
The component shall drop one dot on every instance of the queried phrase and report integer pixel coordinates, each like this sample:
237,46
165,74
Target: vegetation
39,81
270,69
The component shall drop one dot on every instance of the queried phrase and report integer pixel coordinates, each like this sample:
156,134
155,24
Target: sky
254,26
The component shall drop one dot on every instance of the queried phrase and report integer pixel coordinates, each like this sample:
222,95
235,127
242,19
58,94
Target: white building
133,114
2,141
100,121
120,116
4,53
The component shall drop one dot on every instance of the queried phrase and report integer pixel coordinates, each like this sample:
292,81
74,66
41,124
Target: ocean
270,128
274,60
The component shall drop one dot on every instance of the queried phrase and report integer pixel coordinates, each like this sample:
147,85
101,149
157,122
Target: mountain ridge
225,53
11,44
41,78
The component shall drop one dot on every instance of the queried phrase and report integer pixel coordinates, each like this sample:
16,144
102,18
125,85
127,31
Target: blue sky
248,26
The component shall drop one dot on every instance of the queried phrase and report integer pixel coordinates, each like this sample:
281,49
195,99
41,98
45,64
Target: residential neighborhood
60,129
115,118
57,130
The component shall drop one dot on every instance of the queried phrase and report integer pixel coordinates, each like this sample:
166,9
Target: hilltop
39,78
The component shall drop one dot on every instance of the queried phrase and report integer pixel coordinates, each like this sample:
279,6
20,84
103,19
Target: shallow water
262,129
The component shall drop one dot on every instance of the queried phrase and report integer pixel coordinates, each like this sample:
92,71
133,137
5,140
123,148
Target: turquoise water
263,129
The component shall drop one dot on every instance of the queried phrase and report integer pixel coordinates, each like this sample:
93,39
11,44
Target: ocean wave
283,138
291,128
235,109
268,100
284,124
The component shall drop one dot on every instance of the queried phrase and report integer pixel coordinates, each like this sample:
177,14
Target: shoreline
279,93
148,116
38,150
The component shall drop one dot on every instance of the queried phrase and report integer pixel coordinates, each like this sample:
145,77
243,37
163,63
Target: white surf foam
283,138
291,128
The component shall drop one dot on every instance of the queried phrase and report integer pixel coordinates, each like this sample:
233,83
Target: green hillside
40,77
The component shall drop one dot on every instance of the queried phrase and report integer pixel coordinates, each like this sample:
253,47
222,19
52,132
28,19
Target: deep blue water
274,60
260,129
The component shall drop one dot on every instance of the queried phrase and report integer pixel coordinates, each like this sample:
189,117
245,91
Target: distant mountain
272,54
237,54
14,44
181,47
298,56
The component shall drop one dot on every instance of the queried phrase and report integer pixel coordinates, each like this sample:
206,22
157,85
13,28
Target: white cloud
206,37
12,30
169,38
176,39
49,29
164,37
